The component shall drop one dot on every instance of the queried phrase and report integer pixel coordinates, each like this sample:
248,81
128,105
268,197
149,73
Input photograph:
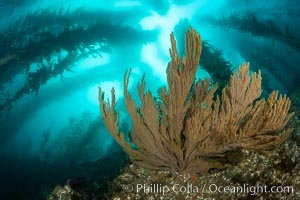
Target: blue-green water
55,54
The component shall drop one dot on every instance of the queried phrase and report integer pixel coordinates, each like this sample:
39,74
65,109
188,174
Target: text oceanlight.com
209,188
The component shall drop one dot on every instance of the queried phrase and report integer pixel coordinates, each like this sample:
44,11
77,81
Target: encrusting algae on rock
253,177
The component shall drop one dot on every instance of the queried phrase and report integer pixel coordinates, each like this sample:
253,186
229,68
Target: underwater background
55,54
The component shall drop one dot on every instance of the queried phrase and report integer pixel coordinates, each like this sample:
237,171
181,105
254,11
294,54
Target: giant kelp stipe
91,109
